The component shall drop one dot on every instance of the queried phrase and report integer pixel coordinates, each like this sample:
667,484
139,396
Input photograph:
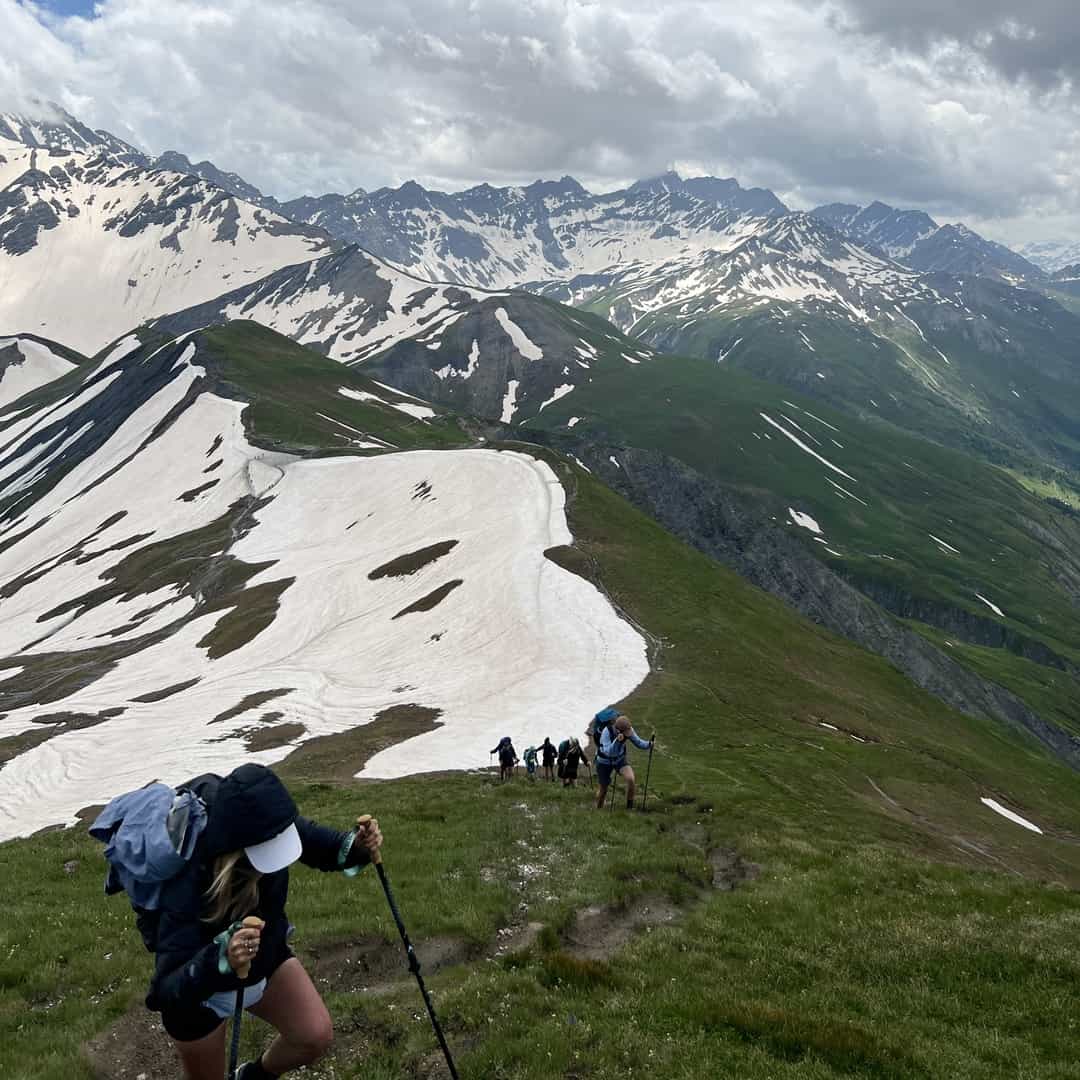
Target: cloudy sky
967,108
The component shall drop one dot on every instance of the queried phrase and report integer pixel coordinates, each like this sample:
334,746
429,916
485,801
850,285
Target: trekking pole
252,922
614,785
648,769
414,963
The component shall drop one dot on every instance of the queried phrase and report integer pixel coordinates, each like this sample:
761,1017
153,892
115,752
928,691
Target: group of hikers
605,747
206,868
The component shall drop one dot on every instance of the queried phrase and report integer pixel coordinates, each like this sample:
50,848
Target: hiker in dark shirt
547,756
239,866
572,763
507,757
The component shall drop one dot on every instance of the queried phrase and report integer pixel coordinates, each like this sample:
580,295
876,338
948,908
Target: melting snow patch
573,421
831,727
1014,393
509,401
836,553
1005,812
518,336
993,607
804,521
611,458
630,359
802,446
820,376
581,464
938,540
560,391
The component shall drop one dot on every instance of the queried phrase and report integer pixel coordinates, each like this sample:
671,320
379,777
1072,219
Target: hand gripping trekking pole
414,963
242,972
648,769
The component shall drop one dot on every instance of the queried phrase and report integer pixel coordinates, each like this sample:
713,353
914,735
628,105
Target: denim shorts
604,771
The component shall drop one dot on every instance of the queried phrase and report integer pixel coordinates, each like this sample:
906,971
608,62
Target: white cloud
331,95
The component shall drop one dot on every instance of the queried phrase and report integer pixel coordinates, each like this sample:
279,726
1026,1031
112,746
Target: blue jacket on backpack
149,835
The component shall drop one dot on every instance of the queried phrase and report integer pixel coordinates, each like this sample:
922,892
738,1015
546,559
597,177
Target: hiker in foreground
507,757
233,839
611,758
547,755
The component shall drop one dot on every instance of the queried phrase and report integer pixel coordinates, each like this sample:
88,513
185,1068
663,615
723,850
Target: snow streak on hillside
26,364
91,246
180,600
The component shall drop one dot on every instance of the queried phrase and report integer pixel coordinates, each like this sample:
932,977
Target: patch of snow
804,521
560,391
573,421
518,336
611,458
509,401
802,446
938,540
992,606
1005,812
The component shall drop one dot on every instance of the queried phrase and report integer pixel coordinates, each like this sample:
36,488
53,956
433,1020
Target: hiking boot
253,1070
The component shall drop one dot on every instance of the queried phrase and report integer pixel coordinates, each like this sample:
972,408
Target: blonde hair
234,892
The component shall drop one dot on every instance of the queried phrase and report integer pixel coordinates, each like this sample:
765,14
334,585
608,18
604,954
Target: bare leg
204,1059
293,1006
627,774
601,795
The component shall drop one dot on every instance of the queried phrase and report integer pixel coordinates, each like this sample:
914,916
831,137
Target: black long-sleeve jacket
187,968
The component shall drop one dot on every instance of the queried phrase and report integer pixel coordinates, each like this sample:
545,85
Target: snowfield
507,643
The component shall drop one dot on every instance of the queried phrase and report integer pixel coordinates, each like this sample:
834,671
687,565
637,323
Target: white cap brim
276,853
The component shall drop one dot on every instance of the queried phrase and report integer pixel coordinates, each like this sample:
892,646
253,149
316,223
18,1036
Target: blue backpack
604,718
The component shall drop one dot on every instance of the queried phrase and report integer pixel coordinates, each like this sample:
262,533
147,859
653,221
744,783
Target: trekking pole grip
251,922
361,823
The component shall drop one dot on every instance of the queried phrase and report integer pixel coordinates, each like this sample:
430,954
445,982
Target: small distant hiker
573,761
548,754
530,762
507,757
611,758
194,862
564,749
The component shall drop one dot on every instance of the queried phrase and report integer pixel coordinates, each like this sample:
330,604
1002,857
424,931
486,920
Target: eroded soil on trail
371,965
600,931
134,1048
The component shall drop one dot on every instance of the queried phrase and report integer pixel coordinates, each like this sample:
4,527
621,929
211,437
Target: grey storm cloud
846,99
1038,40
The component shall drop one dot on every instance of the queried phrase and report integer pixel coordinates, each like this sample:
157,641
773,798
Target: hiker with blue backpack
194,862
611,757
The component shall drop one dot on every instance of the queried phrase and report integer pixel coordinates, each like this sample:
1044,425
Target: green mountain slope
932,535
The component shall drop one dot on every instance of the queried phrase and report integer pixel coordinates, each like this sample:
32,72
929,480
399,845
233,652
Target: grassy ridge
897,928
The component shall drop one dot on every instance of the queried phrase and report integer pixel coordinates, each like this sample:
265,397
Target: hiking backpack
149,836
604,718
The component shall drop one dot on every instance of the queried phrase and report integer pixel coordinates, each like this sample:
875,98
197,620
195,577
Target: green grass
293,390
920,937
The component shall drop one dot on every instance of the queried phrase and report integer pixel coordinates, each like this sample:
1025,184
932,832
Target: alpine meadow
615,470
